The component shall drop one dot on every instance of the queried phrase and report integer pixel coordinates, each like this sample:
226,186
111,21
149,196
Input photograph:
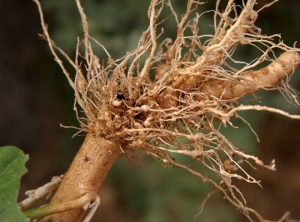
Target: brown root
86,175
252,81
191,97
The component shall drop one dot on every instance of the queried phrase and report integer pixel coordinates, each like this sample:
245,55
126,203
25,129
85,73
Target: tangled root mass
185,89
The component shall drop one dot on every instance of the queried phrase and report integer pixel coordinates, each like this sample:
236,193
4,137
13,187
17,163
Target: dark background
35,98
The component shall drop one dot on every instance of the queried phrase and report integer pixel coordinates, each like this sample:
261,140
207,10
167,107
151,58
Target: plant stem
85,175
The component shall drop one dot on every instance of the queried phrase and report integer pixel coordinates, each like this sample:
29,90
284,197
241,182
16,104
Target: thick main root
184,90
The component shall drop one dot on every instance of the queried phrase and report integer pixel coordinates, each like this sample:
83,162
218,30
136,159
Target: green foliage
12,167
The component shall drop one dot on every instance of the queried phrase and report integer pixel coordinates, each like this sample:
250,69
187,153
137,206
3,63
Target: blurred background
35,98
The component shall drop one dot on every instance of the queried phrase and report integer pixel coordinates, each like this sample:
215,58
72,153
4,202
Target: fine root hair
172,96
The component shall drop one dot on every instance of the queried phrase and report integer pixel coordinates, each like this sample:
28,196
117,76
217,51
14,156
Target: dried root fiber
186,88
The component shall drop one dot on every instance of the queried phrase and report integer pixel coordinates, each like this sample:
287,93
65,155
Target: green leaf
12,167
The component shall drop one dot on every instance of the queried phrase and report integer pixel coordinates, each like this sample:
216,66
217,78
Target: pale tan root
39,193
93,207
